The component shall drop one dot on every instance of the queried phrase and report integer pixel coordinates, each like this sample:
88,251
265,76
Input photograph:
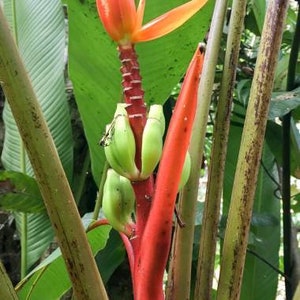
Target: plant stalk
100,192
7,290
63,213
240,211
211,214
24,248
286,166
179,279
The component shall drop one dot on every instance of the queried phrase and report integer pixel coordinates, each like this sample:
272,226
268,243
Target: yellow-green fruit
113,205
185,174
120,147
156,112
152,141
128,198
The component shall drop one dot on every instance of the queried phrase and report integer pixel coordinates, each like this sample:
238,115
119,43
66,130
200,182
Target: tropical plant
237,136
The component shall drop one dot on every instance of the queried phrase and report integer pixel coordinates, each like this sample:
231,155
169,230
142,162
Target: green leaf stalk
7,290
240,212
211,214
179,279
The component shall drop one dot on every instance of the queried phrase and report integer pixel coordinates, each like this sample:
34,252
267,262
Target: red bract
155,244
123,21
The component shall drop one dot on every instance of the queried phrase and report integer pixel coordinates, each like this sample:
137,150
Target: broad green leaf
259,10
111,256
281,73
259,280
94,65
40,283
274,140
284,102
39,234
39,29
19,192
281,102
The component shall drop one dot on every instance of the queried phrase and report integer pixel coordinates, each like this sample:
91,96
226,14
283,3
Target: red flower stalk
152,258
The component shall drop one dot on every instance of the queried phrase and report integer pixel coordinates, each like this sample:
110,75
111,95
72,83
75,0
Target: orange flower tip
167,22
118,17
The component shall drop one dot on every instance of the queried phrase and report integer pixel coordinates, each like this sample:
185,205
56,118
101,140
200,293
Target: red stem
133,95
151,260
130,253
144,193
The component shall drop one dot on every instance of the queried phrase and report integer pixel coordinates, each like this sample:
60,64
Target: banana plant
133,144
137,201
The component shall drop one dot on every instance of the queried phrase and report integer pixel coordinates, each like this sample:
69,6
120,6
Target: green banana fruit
117,208
128,198
152,140
185,174
119,145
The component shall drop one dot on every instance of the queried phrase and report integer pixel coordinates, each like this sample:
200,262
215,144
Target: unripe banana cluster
118,203
120,148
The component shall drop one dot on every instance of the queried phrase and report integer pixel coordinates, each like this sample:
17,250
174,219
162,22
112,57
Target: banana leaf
39,29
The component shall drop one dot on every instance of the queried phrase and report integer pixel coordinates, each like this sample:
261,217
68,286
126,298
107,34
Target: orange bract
123,21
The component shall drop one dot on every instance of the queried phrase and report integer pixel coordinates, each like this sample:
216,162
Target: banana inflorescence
118,202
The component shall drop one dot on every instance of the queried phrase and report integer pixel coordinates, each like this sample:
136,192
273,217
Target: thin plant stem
100,192
286,166
51,178
240,211
7,290
211,214
22,216
286,203
80,179
179,279
24,220
24,249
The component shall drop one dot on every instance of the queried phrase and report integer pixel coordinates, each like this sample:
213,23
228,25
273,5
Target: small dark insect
108,135
202,47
